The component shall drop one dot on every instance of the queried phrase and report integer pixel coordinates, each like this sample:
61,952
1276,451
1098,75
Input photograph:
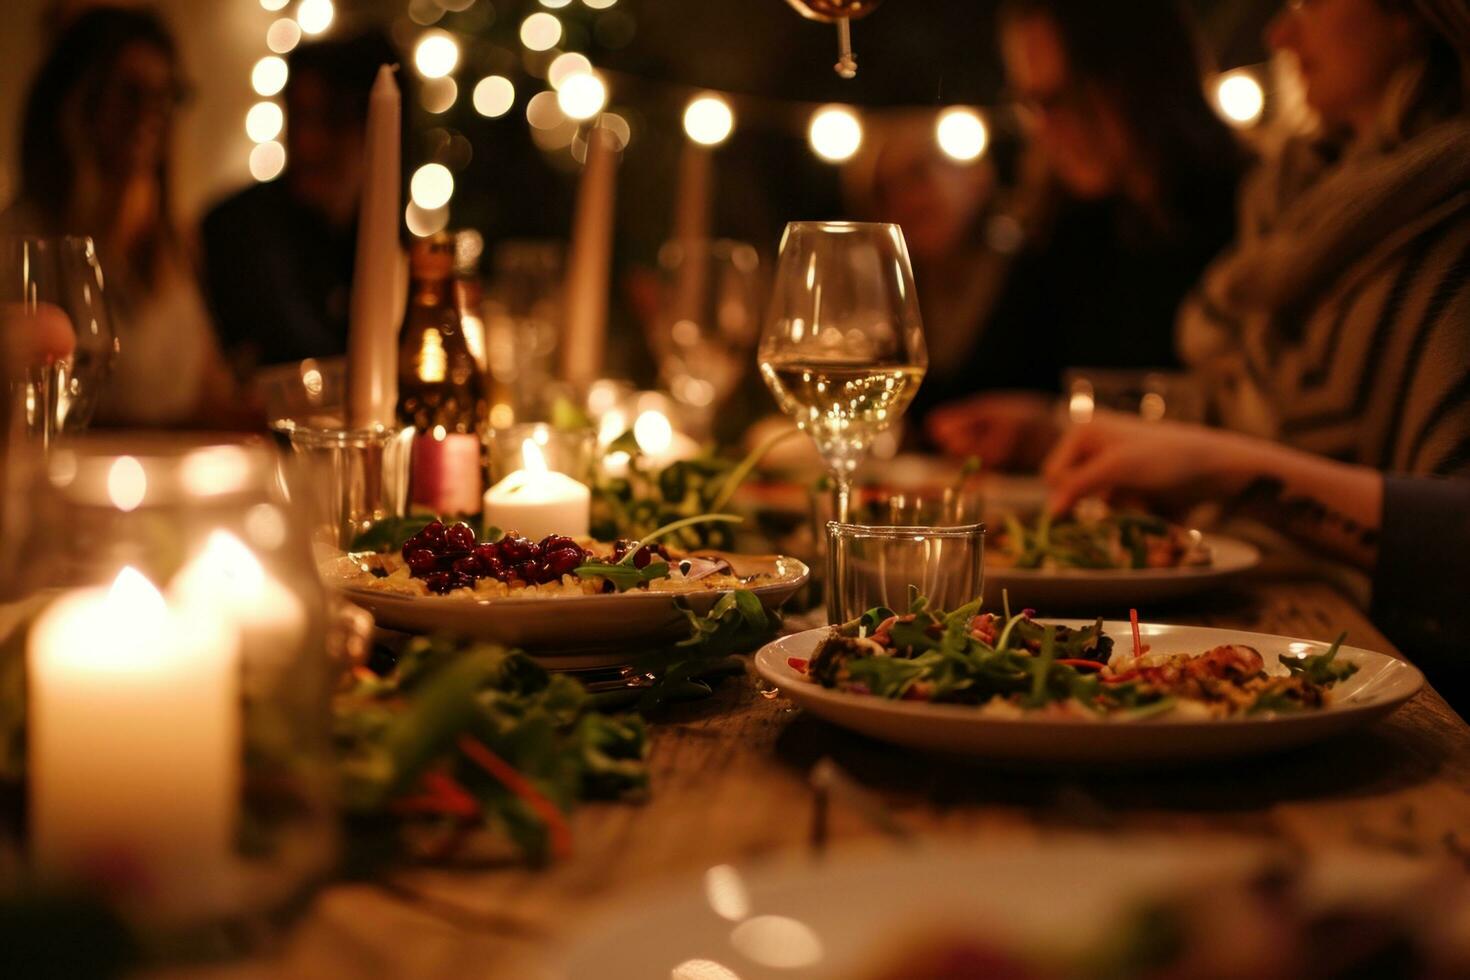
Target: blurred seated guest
95,140
278,256
1143,174
1412,534
945,208
1340,321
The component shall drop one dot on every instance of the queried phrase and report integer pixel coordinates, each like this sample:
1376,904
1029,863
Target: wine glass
708,322
840,12
43,281
843,347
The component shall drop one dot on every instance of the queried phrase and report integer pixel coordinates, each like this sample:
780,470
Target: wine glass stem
841,495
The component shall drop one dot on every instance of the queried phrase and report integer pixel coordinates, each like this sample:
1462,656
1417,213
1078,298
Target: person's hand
1120,453
1007,430
32,337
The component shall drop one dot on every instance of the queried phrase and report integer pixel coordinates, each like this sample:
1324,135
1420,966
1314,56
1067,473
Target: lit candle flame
532,459
136,598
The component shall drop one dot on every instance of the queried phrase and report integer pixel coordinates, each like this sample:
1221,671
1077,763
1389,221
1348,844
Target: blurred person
945,208
1142,174
1410,534
96,135
279,255
1340,320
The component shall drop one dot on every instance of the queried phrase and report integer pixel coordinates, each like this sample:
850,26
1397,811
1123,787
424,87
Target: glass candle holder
346,479
871,566
569,451
176,722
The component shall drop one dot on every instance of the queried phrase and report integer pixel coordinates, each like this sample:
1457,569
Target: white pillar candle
225,580
535,501
376,304
134,743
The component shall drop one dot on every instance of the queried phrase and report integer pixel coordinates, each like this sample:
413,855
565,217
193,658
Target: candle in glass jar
535,501
134,742
227,580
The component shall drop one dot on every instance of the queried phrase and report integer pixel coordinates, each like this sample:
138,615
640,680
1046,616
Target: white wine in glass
843,347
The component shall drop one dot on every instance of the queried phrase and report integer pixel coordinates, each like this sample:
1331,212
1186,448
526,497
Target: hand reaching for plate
1115,453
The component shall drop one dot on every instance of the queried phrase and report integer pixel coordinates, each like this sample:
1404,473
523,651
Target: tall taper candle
377,307
691,228
584,338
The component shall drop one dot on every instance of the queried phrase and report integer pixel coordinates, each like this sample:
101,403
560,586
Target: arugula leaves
1323,668
398,733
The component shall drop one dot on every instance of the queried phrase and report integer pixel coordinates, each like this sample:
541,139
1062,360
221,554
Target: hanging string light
708,120
835,133
961,134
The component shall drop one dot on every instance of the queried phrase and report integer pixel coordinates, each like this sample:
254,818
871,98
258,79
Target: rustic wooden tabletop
731,783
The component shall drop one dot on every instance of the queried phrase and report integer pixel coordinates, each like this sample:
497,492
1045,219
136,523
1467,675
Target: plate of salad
1012,687
580,599
1096,556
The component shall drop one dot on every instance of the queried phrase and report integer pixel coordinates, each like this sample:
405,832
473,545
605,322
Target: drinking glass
56,391
875,566
843,346
708,322
523,316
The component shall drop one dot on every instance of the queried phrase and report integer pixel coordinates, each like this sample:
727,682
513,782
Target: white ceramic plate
572,632
1381,684
1071,588
853,916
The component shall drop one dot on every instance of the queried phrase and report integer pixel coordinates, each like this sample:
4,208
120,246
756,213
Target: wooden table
730,783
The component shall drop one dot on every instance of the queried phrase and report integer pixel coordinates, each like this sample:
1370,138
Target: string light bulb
582,96
1240,98
436,54
835,133
540,31
708,120
283,35
264,121
267,160
564,66
961,134
269,75
494,95
431,186
315,16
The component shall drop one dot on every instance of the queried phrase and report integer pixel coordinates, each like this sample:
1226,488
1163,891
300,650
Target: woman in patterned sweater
1339,323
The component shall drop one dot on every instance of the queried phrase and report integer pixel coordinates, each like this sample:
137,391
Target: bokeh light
494,95
961,134
438,94
436,54
264,121
432,186
564,66
708,120
543,112
424,222
273,5
540,31
1240,98
267,160
835,133
269,75
599,4
555,4
283,35
582,96
315,16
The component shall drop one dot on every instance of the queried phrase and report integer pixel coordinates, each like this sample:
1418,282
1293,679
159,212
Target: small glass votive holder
869,565
345,480
569,451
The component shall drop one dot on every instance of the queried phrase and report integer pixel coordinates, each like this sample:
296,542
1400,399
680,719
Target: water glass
870,565
1152,395
347,479
52,289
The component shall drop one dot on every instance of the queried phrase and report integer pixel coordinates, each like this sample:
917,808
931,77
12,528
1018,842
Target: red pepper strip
797,664
1120,678
1079,662
556,824
442,796
1137,640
